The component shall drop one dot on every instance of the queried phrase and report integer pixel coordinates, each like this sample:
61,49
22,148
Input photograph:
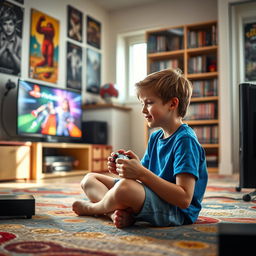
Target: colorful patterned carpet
56,231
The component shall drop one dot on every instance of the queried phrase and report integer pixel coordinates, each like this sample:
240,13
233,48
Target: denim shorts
158,212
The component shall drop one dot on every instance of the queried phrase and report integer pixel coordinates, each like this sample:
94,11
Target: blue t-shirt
179,153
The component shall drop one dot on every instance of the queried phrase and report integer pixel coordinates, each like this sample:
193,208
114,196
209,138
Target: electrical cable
9,86
222,197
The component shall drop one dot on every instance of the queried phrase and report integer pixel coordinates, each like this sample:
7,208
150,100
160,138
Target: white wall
164,13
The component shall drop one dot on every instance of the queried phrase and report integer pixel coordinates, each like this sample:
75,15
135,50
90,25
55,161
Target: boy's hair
167,84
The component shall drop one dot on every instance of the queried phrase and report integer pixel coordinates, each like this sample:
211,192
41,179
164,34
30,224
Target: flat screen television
247,123
47,113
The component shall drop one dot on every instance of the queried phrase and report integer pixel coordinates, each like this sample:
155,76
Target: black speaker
236,238
95,132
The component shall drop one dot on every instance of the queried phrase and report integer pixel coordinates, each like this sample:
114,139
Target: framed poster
19,1
93,32
93,71
74,66
11,23
250,51
75,24
44,47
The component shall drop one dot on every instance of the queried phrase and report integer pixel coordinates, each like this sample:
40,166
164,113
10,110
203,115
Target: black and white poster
93,71
11,22
74,66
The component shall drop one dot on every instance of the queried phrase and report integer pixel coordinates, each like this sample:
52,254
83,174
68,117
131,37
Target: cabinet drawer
15,162
96,152
96,165
107,151
105,165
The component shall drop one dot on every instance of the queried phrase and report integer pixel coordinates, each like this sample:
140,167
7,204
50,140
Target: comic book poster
11,23
74,66
75,24
44,47
250,51
93,32
93,71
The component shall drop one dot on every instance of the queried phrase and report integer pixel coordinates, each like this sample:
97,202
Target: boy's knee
87,178
123,189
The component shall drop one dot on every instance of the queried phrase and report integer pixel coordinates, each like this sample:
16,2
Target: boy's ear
173,103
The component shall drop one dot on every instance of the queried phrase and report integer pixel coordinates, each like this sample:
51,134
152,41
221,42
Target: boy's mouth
148,117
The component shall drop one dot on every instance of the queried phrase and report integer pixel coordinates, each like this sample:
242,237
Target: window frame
124,42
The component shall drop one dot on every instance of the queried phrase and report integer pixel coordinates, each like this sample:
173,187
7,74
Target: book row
207,134
202,111
205,88
165,42
202,64
163,64
212,160
201,38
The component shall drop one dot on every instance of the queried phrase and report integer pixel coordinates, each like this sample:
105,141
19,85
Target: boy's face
156,113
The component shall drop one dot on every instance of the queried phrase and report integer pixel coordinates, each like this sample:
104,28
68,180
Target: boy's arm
179,194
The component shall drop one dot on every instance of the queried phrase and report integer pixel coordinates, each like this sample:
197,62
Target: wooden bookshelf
192,48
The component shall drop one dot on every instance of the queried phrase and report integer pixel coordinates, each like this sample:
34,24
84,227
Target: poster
11,22
93,32
250,51
74,66
44,47
93,71
19,1
75,24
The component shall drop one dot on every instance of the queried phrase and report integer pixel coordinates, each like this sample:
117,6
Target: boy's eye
147,103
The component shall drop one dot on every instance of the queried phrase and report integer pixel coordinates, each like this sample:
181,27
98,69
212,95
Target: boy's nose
144,109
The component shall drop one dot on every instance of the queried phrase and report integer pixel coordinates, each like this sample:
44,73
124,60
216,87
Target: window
131,64
137,65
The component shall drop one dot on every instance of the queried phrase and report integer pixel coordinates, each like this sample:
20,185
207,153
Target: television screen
48,112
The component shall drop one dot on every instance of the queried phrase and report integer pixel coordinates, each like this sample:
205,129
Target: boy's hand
112,165
129,168
112,160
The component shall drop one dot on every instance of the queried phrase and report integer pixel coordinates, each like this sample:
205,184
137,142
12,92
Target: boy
166,187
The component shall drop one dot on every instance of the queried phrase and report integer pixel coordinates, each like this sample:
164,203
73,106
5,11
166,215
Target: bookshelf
192,48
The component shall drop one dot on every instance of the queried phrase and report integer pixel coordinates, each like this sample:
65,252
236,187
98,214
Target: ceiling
113,5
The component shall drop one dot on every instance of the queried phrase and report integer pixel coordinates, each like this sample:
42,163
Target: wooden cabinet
88,158
15,161
82,153
25,160
193,49
100,155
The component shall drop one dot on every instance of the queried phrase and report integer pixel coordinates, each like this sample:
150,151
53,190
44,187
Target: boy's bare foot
122,218
82,208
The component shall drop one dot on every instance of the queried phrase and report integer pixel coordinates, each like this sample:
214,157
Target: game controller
118,156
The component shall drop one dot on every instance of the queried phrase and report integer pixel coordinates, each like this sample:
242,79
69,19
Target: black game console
58,164
236,238
17,205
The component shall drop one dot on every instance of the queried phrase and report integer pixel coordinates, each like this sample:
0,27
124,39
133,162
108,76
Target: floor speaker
236,239
95,132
